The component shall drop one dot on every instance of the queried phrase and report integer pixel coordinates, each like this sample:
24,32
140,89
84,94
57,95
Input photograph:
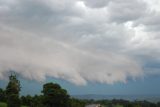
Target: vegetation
3,104
2,95
53,95
125,103
12,92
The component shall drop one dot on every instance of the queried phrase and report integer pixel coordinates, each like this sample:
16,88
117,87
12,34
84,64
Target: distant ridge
150,98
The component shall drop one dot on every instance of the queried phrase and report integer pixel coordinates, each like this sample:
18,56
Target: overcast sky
80,41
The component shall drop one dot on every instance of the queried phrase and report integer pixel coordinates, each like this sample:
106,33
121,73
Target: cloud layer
105,41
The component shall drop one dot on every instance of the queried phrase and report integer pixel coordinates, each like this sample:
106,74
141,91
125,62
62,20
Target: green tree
26,100
37,101
158,104
76,103
2,95
55,96
12,92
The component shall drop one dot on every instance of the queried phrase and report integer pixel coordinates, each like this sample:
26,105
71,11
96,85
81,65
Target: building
93,105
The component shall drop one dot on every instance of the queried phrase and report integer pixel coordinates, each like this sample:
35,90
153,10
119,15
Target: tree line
53,95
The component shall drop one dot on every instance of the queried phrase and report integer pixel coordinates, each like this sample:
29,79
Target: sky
87,46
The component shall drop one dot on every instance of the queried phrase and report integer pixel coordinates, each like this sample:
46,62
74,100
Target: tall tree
2,95
55,96
12,92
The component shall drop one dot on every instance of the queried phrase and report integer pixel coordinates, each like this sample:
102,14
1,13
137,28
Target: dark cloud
36,15
126,10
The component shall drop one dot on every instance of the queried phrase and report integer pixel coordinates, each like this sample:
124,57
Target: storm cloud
79,41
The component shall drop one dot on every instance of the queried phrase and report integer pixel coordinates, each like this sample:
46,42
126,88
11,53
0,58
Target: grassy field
5,105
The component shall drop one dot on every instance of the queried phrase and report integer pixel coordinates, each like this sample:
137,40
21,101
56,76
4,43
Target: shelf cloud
79,41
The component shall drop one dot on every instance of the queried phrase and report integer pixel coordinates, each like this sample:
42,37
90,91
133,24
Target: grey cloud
74,42
126,10
151,21
96,3
36,15
112,37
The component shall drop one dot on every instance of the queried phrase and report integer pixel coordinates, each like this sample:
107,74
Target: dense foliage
2,95
55,96
12,92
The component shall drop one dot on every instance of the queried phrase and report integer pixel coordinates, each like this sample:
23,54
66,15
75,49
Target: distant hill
151,98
